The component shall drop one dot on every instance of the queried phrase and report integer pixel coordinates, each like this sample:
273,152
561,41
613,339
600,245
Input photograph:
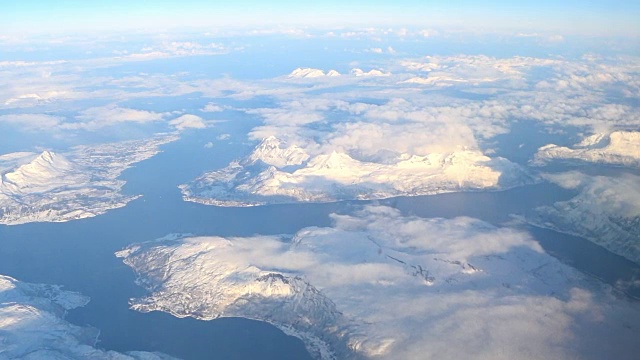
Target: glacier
279,173
32,326
381,285
80,183
620,148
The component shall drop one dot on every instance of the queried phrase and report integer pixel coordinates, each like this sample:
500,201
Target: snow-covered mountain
61,187
372,72
384,286
605,211
41,173
304,73
616,148
270,152
337,176
32,326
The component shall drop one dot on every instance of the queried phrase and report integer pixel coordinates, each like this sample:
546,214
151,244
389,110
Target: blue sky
613,17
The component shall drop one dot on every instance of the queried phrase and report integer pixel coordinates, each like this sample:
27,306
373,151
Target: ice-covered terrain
381,285
32,325
620,148
74,185
276,173
605,211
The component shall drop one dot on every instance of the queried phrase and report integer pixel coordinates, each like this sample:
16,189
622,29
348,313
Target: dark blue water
79,254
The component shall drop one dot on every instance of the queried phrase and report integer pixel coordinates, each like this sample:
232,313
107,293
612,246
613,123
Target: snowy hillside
74,185
605,211
32,325
381,285
617,148
266,176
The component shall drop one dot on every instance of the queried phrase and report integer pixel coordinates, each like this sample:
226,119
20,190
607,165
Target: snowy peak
271,152
594,141
617,141
233,288
46,170
304,73
617,148
337,176
625,142
335,160
374,72
48,160
78,184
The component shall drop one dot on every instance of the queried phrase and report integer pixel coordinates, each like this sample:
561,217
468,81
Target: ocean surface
80,254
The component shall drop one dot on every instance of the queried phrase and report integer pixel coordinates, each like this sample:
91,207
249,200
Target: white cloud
369,138
32,121
188,121
208,145
175,49
102,116
211,107
372,72
555,38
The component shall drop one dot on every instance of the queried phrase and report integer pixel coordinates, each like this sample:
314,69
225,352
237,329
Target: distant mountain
268,175
304,73
617,148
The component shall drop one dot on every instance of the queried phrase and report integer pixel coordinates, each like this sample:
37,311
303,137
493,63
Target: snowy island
32,326
277,173
74,185
381,285
621,148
